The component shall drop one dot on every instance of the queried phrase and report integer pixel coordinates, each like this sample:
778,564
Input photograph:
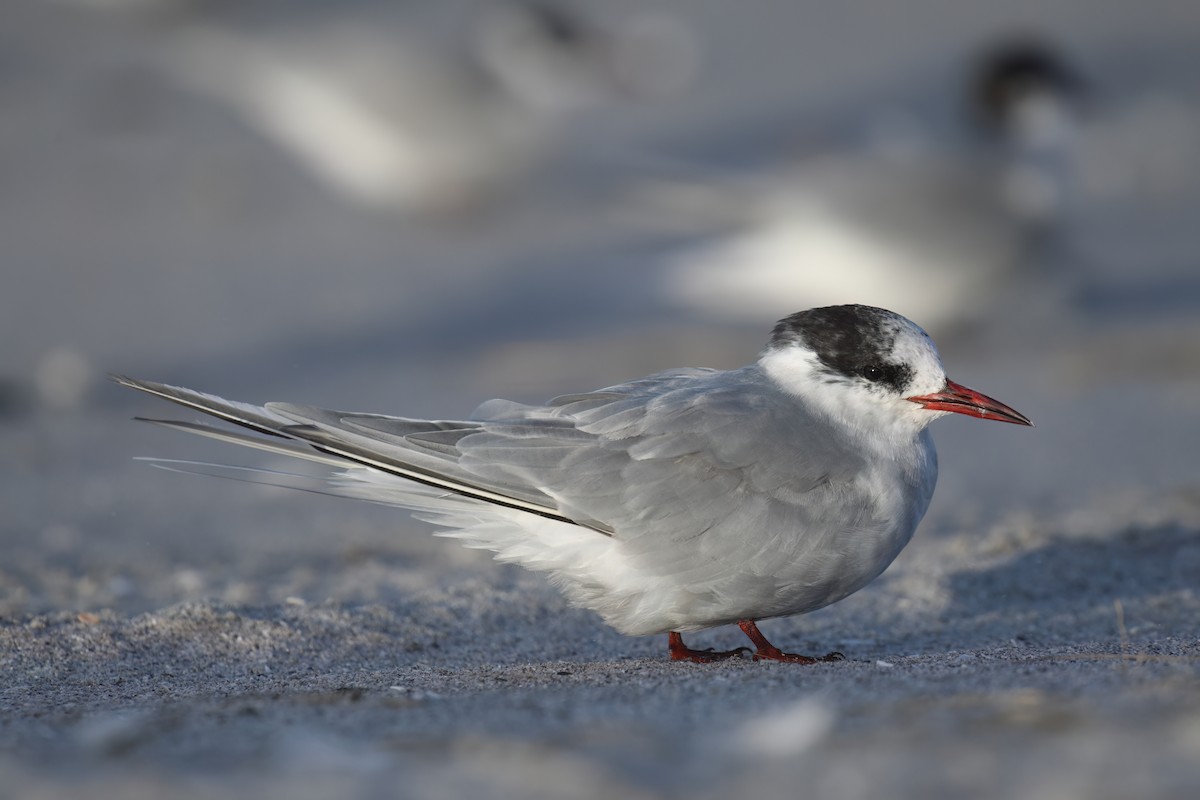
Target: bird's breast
848,532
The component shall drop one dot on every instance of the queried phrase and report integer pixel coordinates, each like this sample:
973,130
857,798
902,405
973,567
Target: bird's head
872,369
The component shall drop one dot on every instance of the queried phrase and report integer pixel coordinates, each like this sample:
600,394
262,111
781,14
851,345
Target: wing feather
655,462
323,430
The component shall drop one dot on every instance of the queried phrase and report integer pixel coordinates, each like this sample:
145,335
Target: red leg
681,652
767,651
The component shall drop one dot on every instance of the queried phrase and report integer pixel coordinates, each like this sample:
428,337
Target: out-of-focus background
411,207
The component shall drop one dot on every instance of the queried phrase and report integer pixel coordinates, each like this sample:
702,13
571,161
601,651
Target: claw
768,652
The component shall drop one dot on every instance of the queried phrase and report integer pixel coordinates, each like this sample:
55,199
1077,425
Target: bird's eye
873,372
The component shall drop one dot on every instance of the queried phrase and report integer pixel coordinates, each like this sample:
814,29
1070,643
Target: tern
901,213
681,501
391,122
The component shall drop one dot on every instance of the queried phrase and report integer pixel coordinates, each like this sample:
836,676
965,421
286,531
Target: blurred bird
681,501
905,220
389,122
1118,161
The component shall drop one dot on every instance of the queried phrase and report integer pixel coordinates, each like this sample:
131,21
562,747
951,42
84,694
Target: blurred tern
900,215
392,123
673,503
1117,157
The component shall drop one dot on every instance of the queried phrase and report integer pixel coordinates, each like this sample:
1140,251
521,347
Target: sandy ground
165,634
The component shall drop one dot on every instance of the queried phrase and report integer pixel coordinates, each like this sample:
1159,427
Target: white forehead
913,347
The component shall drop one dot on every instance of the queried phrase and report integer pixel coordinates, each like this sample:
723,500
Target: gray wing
659,462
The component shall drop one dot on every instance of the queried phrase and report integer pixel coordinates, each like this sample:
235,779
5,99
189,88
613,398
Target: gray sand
163,634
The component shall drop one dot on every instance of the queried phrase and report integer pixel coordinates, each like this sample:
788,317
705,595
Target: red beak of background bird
959,399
